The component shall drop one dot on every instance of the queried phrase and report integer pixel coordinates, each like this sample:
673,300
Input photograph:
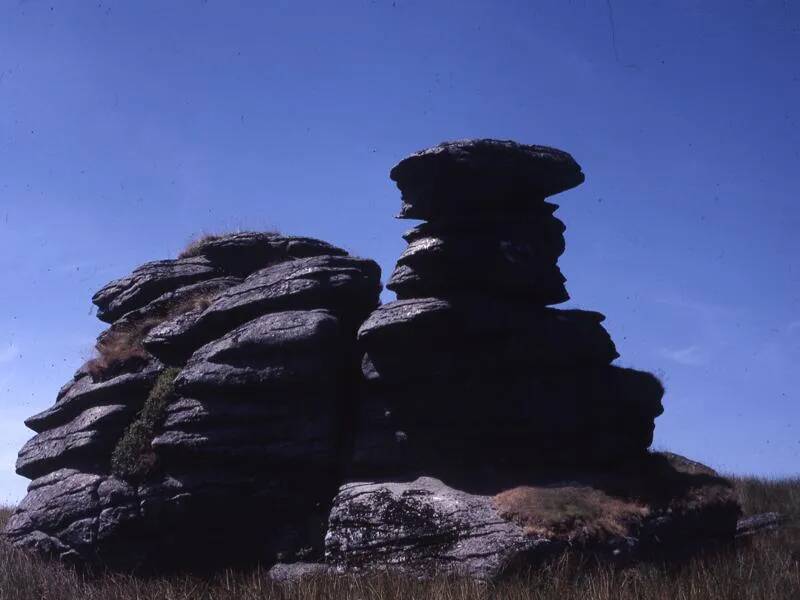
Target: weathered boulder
452,427
183,299
469,366
276,350
249,251
506,256
83,392
424,528
478,176
86,438
57,507
233,452
541,285
147,283
648,508
433,339
345,285
537,225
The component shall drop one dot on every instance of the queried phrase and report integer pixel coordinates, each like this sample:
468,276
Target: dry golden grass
195,245
766,567
571,513
614,503
122,347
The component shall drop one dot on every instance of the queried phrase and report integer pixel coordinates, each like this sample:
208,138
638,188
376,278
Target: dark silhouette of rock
424,527
472,177
470,364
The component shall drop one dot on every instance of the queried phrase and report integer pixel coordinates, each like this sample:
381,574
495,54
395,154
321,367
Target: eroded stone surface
424,527
147,283
481,176
83,392
273,351
87,437
347,286
246,252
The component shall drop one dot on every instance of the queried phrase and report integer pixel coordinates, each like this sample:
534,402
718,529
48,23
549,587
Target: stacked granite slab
253,337
470,370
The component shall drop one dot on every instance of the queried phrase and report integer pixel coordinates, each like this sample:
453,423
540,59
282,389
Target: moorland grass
764,567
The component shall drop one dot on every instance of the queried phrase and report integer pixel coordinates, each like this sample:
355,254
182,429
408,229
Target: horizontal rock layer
147,283
593,416
234,459
481,176
347,286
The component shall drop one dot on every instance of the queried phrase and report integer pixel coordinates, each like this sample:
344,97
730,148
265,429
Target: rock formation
470,369
208,429
655,508
251,401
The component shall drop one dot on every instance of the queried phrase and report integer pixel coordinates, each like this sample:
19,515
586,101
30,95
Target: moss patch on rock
133,457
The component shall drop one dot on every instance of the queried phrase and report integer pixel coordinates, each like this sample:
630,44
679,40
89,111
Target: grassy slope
765,567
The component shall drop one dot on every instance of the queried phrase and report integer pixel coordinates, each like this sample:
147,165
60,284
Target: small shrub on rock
133,457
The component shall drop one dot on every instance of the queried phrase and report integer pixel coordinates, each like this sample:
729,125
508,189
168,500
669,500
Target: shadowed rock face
471,365
477,177
245,452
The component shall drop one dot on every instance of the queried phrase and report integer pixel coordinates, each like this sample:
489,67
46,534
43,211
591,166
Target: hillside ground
765,566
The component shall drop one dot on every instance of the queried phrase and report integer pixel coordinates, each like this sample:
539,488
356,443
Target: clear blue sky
127,127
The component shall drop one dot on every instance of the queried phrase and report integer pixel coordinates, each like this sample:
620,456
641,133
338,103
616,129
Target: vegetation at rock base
617,504
132,457
569,512
766,566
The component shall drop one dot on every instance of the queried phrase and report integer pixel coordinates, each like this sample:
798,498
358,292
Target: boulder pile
470,369
208,428
251,401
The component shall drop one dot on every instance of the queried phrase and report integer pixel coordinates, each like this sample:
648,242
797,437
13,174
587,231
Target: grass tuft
571,513
195,246
121,349
133,457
